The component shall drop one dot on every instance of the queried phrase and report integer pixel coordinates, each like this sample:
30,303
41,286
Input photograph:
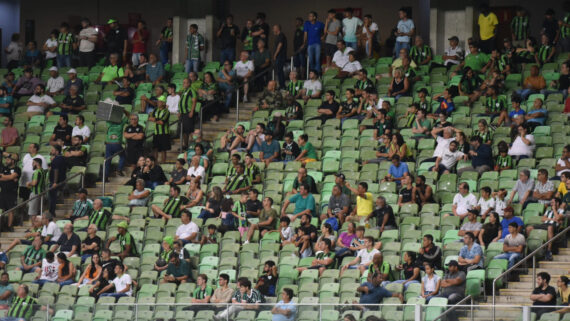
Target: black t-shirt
66,244
132,143
76,160
59,164
10,187
115,40
63,133
409,271
253,206
406,194
268,287
549,290
298,39
156,174
334,106
308,230
90,241
126,99
227,41
348,107
76,101
564,82
256,28
215,205
110,265
386,210
281,39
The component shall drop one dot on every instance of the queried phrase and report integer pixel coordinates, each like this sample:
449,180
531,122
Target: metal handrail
455,306
42,194
270,68
533,255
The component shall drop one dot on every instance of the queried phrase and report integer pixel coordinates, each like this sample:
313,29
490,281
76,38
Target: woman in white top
523,146
430,283
368,39
50,46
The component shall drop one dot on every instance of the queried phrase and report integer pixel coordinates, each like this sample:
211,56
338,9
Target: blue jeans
63,61
513,257
399,46
152,185
115,295
204,215
315,57
68,282
227,54
84,257
11,319
402,282
351,44
524,93
164,50
41,282
111,149
192,65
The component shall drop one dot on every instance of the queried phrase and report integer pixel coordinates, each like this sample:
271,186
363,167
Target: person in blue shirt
6,102
481,156
270,149
284,310
537,115
471,254
517,110
508,218
397,171
446,104
313,30
3,260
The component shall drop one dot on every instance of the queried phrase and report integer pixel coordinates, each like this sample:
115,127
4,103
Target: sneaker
246,242
548,256
245,99
121,173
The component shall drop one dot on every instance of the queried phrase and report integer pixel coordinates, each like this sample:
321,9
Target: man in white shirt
351,68
50,231
87,38
448,159
39,102
188,231
172,99
340,57
442,142
363,257
244,70
563,164
49,269
27,165
195,170
463,201
122,284
55,83
486,202
454,54
312,88
80,129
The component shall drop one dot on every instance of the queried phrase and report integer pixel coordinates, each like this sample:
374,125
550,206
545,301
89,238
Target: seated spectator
293,109
80,129
563,163
463,201
344,244
430,284
429,252
470,85
421,125
125,94
39,103
154,70
245,298
562,190
312,87
30,234
551,221
62,132
285,309
372,292
340,57
481,157
471,254
91,245
26,85
55,83
543,295
410,269
546,52
338,206
73,103
327,232
50,231
406,194
349,107
277,125
400,85
328,108
223,293
510,218
244,71
269,149
351,68
122,283
452,285
490,231
303,178
524,187
270,98
48,271
472,225
31,259
255,138
73,80
306,234
173,205
420,53
503,160
149,104
304,203
127,244
397,171
178,174
226,82
23,305
100,216
290,149
112,71
237,182
212,208
308,153
9,83
69,243
537,115
139,196
153,173
446,104
76,154
534,83
484,132
102,282
385,219
267,219
445,163
267,282
563,293
10,134
324,258
195,171
363,257
285,231
6,102
234,141
399,147
178,272
188,231
423,191
92,272
543,188
364,202
513,245
6,291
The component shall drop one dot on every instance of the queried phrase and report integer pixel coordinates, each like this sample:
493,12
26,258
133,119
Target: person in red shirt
140,38
9,133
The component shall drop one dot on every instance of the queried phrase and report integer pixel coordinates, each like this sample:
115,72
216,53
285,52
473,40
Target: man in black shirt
108,263
76,154
125,94
543,295
72,103
91,244
57,174
429,252
116,39
253,206
384,215
280,54
299,59
61,132
228,33
407,191
309,229
154,173
260,31
328,109
134,134
68,243
9,178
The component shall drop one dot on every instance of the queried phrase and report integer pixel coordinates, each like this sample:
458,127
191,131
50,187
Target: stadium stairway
518,292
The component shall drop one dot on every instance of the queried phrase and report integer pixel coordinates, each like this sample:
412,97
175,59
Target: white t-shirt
352,66
340,58
349,27
185,230
449,158
500,206
365,256
51,43
373,27
287,233
486,204
28,167
464,203
84,132
405,27
122,282
520,148
561,163
14,51
197,171
49,270
243,68
312,86
442,145
53,230
430,284
172,103
37,99
84,44
457,51
55,84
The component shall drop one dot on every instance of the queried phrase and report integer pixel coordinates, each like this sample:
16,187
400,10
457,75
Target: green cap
112,20
162,98
123,224
168,239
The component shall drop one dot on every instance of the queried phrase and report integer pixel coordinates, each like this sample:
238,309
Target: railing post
307,67
533,271
493,313
472,317
104,175
181,130
526,313
41,204
273,73
47,312
136,312
201,119
237,104
320,312
291,66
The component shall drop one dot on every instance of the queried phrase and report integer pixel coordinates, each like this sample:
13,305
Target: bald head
97,204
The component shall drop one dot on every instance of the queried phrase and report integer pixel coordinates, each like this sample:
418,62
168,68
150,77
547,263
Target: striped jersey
420,54
33,256
503,62
125,240
22,308
485,136
252,171
549,214
241,210
238,181
543,53
164,115
65,43
100,218
293,87
82,208
231,170
39,176
496,104
200,293
254,296
166,33
565,31
504,161
172,206
519,27
363,84
185,102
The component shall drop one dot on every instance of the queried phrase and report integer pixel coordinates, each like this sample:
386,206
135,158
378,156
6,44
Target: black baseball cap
453,38
341,175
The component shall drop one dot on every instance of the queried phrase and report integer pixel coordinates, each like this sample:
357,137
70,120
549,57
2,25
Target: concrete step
514,299
516,292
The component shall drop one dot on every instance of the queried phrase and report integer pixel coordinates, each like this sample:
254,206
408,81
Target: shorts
8,201
34,206
161,142
330,49
545,226
188,123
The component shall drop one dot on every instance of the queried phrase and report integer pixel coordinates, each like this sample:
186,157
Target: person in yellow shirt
364,202
561,191
487,28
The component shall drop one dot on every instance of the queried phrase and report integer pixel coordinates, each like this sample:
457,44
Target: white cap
72,71
54,68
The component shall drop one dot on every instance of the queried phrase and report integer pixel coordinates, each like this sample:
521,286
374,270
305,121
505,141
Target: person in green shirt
194,44
304,203
128,246
23,305
195,82
470,84
420,53
177,271
111,72
545,52
475,60
173,205
520,27
114,144
31,259
324,258
161,139
303,178
37,186
267,220
308,153
421,126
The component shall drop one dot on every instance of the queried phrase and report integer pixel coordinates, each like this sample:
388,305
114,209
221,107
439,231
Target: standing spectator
228,33
244,69
369,36
261,62
313,30
165,41
471,254
351,28
520,28
9,176
161,140
134,135
405,29
226,83
260,31
513,245
14,52
139,42
332,31
187,109
113,144
194,46
543,295
488,23
299,48
32,55
87,39
453,283
28,170
463,201
65,46
246,37
116,40
279,54
50,48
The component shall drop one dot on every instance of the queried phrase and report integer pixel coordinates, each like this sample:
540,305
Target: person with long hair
399,147
563,293
430,283
209,93
491,231
92,271
213,204
66,270
194,194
